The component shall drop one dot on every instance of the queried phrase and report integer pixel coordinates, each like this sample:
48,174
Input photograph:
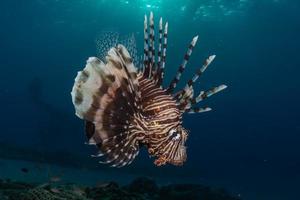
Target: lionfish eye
174,135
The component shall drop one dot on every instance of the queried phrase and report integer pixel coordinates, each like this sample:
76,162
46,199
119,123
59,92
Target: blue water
248,144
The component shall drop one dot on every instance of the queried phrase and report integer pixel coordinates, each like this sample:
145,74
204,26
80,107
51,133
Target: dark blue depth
248,144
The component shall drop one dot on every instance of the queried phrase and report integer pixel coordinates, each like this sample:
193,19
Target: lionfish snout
174,151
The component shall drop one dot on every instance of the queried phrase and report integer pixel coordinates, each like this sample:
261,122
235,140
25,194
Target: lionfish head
174,151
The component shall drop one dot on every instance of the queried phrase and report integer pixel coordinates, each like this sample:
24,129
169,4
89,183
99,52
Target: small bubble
111,38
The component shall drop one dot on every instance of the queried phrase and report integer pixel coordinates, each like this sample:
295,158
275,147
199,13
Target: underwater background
249,144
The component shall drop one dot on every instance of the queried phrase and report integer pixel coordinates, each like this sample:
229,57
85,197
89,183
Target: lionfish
125,108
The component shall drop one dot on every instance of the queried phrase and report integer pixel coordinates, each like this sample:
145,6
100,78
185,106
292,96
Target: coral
139,189
192,192
112,191
51,194
143,186
23,191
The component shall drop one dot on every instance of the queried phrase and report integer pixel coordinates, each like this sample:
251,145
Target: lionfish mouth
176,158
180,156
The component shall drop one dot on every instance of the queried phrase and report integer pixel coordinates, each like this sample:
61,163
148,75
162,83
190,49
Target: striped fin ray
106,96
149,66
208,93
114,143
180,96
203,95
146,48
149,47
161,67
119,153
160,32
198,110
131,72
152,43
181,68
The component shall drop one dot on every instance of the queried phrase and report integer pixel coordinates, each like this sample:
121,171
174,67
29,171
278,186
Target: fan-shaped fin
106,96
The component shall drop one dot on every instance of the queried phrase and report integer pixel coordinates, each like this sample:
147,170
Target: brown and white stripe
124,109
181,68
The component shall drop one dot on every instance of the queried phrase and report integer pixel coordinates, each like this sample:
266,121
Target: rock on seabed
140,189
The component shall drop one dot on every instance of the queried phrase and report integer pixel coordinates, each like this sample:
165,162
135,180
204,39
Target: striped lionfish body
125,108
